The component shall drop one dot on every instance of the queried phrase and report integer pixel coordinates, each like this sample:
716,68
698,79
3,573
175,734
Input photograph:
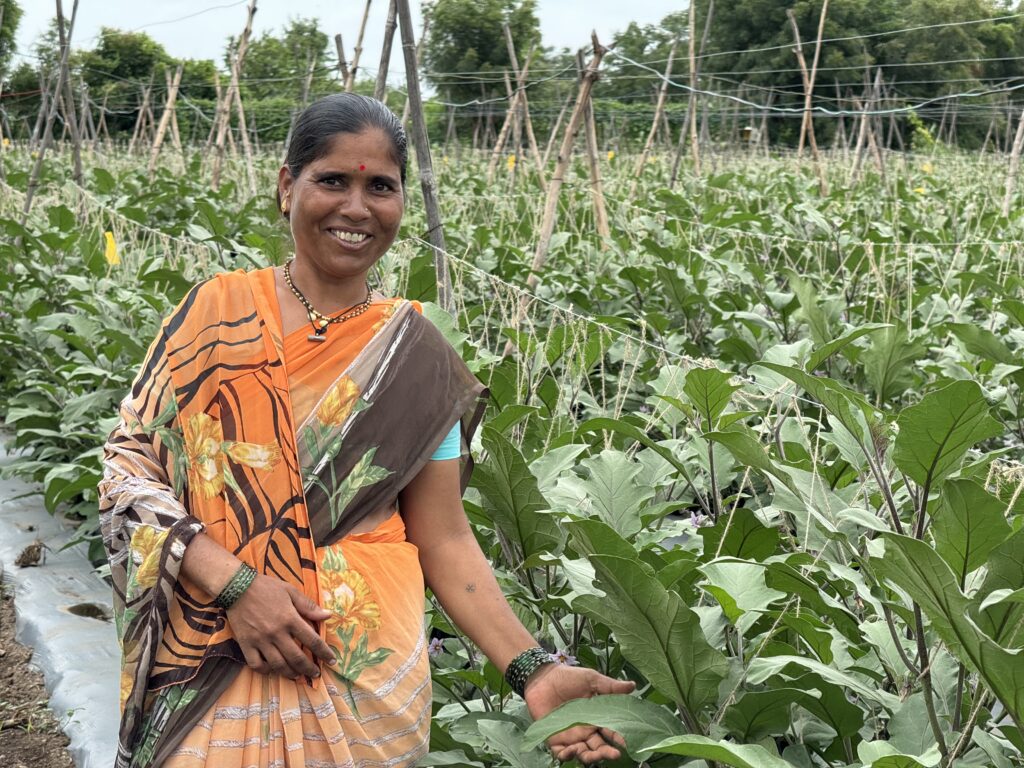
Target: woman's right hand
274,623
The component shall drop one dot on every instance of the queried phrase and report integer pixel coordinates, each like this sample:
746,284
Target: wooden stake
604,230
229,97
524,104
69,99
141,118
419,54
435,233
380,89
686,130
506,126
33,180
342,65
658,111
351,82
694,144
1011,174
554,130
243,133
165,118
806,126
547,226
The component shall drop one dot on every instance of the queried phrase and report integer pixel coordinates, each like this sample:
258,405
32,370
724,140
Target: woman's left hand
553,685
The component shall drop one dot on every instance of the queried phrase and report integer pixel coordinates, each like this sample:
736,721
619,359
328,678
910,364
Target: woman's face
345,207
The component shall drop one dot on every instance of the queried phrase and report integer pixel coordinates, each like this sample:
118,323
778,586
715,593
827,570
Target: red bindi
362,167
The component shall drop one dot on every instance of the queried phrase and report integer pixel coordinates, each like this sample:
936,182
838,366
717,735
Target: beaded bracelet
235,588
524,665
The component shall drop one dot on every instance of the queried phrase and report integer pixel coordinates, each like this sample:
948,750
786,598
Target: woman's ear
284,187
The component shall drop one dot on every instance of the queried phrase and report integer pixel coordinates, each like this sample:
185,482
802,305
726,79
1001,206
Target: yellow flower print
346,594
208,454
254,455
146,545
127,680
385,315
338,403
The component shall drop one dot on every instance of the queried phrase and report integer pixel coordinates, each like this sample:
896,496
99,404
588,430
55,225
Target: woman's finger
276,662
612,737
311,640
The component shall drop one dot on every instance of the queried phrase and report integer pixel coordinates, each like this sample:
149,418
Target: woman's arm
459,574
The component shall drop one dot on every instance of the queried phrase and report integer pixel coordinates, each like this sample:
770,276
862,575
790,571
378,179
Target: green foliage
788,433
276,66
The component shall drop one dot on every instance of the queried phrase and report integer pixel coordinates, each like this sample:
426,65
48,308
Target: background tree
276,65
8,30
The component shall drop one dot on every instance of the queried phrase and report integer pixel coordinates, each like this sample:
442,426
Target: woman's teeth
349,237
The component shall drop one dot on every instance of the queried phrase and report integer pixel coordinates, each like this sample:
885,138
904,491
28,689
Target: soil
29,734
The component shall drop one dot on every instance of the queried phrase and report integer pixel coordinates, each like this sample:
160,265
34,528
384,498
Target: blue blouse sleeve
450,447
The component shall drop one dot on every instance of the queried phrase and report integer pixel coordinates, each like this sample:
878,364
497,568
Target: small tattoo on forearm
471,587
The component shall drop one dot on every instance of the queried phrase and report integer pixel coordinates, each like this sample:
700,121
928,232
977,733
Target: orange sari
266,443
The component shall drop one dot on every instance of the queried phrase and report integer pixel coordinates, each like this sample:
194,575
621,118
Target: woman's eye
381,186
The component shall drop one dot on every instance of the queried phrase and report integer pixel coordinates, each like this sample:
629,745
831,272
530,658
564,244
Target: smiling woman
273,508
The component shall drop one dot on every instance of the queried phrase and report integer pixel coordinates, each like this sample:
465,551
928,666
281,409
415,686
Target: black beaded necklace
318,319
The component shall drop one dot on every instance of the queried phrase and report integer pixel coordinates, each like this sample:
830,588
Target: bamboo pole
339,46
229,97
419,55
380,89
524,103
165,118
243,132
587,79
69,99
806,125
33,180
435,232
351,82
604,230
217,109
141,118
694,143
554,130
44,110
659,110
506,126
547,227
691,104
1012,171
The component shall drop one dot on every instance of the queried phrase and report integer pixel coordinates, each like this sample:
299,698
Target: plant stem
926,685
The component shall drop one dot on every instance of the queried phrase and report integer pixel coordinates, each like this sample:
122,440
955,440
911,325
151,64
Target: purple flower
563,656
5,315
436,647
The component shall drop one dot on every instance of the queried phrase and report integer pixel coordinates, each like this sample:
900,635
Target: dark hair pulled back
338,113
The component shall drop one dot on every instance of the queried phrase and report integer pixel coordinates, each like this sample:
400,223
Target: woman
268,593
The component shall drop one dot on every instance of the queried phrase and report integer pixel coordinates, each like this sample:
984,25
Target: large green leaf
1004,621
821,355
983,343
657,633
709,390
512,499
844,405
889,362
935,434
757,714
738,755
640,722
507,740
739,588
744,536
609,492
918,569
968,524
762,668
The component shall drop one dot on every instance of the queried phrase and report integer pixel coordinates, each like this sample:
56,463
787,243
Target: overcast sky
564,23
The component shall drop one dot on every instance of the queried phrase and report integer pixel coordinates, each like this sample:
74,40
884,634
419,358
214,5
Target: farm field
759,451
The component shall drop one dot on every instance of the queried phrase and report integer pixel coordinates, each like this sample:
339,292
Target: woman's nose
353,205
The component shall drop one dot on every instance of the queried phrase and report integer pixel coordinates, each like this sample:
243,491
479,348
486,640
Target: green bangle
524,665
235,588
